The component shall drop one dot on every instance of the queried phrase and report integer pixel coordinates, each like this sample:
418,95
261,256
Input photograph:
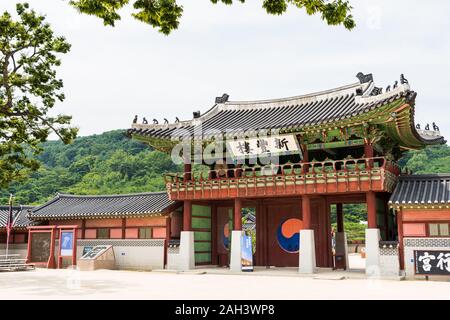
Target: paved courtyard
108,284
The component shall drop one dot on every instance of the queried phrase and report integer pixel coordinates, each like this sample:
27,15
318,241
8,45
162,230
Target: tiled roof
235,117
20,216
422,190
65,206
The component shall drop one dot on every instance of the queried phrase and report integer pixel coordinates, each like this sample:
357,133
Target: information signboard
432,262
95,252
246,253
87,249
67,243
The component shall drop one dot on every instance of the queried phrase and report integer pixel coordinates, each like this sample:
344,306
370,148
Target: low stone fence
131,254
389,259
173,255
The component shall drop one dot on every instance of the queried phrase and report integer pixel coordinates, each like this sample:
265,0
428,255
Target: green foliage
109,163
165,15
355,230
354,214
434,159
28,90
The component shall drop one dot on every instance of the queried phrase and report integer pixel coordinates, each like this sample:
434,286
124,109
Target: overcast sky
111,74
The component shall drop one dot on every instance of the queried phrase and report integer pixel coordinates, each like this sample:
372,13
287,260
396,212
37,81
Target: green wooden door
201,225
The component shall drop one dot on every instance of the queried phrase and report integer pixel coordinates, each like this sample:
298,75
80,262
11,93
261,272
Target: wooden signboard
264,146
40,244
67,245
432,262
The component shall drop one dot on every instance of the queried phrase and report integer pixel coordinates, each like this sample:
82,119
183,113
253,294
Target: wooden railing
291,174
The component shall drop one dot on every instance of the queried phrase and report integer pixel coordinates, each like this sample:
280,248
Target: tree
29,89
165,14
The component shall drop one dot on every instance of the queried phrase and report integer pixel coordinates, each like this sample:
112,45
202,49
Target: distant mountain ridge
106,163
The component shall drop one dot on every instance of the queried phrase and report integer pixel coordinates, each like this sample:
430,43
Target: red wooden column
306,212
340,217
237,214
168,235
187,215
400,238
51,260
386,218
371,210
29,245
83,229
124,227
75,246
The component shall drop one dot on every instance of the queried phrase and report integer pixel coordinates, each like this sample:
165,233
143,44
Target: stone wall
389,260
132,254
411,244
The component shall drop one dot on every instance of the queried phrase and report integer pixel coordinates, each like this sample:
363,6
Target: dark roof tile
422,190
20,216
71,206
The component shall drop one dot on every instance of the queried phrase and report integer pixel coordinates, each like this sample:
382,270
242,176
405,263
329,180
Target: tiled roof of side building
20,216
294,113
429,189
65,206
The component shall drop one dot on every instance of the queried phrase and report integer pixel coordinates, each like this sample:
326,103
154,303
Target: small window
439,229
145,233
103,233
443,230
434,229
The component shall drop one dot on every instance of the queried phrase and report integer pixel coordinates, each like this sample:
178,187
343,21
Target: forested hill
111,163
108,163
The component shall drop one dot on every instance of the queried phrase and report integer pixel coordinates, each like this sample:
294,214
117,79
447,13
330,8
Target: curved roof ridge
336,106
330,93
425,176
67,195
325,93
67,206
17,207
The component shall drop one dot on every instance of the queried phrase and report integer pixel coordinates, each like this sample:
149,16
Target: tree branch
47,123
